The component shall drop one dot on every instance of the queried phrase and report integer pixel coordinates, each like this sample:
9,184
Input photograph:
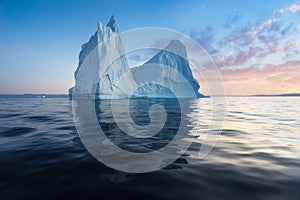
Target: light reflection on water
257,155
266,140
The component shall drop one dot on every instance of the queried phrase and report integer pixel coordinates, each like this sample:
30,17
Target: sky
254,43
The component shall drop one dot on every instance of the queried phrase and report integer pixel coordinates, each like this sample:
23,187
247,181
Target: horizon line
235,95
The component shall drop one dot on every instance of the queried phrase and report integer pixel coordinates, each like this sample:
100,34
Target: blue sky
254,43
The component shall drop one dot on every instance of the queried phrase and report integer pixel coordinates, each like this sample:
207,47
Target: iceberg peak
174,55
175,43
113,24
96,72
99,27
176,47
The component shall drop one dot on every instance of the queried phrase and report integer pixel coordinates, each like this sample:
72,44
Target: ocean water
257,155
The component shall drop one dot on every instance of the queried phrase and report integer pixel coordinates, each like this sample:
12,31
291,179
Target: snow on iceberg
165,75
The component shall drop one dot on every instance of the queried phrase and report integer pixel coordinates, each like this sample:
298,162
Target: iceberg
166,75
180,84
95,72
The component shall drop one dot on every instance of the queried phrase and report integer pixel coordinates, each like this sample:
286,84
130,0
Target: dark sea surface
257,155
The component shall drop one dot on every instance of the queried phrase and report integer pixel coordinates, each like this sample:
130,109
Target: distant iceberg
174,78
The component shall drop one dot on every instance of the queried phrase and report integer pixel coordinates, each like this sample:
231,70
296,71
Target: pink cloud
291,8
291,44
271,22
272,79
240,59
294,8
247,56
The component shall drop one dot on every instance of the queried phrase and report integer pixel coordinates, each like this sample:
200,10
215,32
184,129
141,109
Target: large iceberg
96,73
166,75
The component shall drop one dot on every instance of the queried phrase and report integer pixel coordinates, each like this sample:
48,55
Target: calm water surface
256,157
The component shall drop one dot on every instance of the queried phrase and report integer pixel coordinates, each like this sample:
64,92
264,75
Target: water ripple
257,155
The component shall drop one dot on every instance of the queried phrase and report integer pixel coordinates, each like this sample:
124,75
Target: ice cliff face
173,56
169,68
96,71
